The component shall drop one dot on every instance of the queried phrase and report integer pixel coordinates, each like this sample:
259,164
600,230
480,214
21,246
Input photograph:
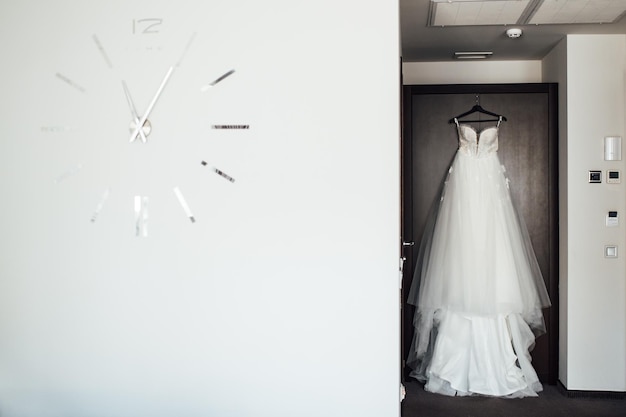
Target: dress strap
456,121
499,121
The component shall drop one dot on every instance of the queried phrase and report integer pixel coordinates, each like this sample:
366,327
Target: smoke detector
514,33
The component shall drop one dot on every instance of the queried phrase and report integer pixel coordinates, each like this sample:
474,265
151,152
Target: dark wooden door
528,150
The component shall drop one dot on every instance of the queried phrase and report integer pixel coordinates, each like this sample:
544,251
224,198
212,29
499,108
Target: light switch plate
610,251
613,176
595,177
612,219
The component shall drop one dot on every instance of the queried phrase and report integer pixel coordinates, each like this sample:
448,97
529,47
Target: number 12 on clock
146,26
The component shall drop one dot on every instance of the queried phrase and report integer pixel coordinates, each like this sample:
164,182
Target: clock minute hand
133,110
152,103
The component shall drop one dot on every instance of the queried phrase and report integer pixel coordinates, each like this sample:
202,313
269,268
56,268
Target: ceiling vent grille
523,12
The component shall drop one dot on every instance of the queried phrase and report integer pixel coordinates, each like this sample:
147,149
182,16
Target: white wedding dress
477,288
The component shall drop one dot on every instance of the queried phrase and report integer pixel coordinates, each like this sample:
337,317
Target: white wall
555,70
474,72
282,299
593,288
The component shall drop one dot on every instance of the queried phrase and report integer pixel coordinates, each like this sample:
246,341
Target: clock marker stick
103,199
137,214
184,204
193,36
144,216
224,175
141,216
102,51
211,84
68,173
151,106
230,127
70,82
133,110
220,173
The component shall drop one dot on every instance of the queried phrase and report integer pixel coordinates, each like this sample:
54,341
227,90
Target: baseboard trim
614,395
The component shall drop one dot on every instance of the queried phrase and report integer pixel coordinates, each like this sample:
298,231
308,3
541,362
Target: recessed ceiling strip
473,55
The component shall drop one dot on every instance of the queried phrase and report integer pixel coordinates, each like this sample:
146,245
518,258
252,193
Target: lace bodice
478,144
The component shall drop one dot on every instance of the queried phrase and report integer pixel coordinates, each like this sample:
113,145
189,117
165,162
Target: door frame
409,251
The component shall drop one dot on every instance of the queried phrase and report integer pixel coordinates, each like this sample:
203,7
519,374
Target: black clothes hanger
478,109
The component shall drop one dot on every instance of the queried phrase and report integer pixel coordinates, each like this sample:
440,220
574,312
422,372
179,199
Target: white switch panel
612,219
613,148
613,176
610,251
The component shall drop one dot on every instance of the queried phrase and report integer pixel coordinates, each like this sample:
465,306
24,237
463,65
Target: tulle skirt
477,288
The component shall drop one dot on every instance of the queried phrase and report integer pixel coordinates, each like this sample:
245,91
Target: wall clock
140,106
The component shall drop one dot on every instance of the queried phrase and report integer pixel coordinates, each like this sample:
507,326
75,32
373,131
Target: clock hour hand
133,111
143,119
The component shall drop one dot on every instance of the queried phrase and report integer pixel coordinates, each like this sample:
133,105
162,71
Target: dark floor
552,402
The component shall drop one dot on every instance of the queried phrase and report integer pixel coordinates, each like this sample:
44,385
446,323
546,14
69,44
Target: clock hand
152,103
133,110
184,204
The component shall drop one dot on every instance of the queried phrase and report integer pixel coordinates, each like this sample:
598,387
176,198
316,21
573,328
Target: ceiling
423,43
